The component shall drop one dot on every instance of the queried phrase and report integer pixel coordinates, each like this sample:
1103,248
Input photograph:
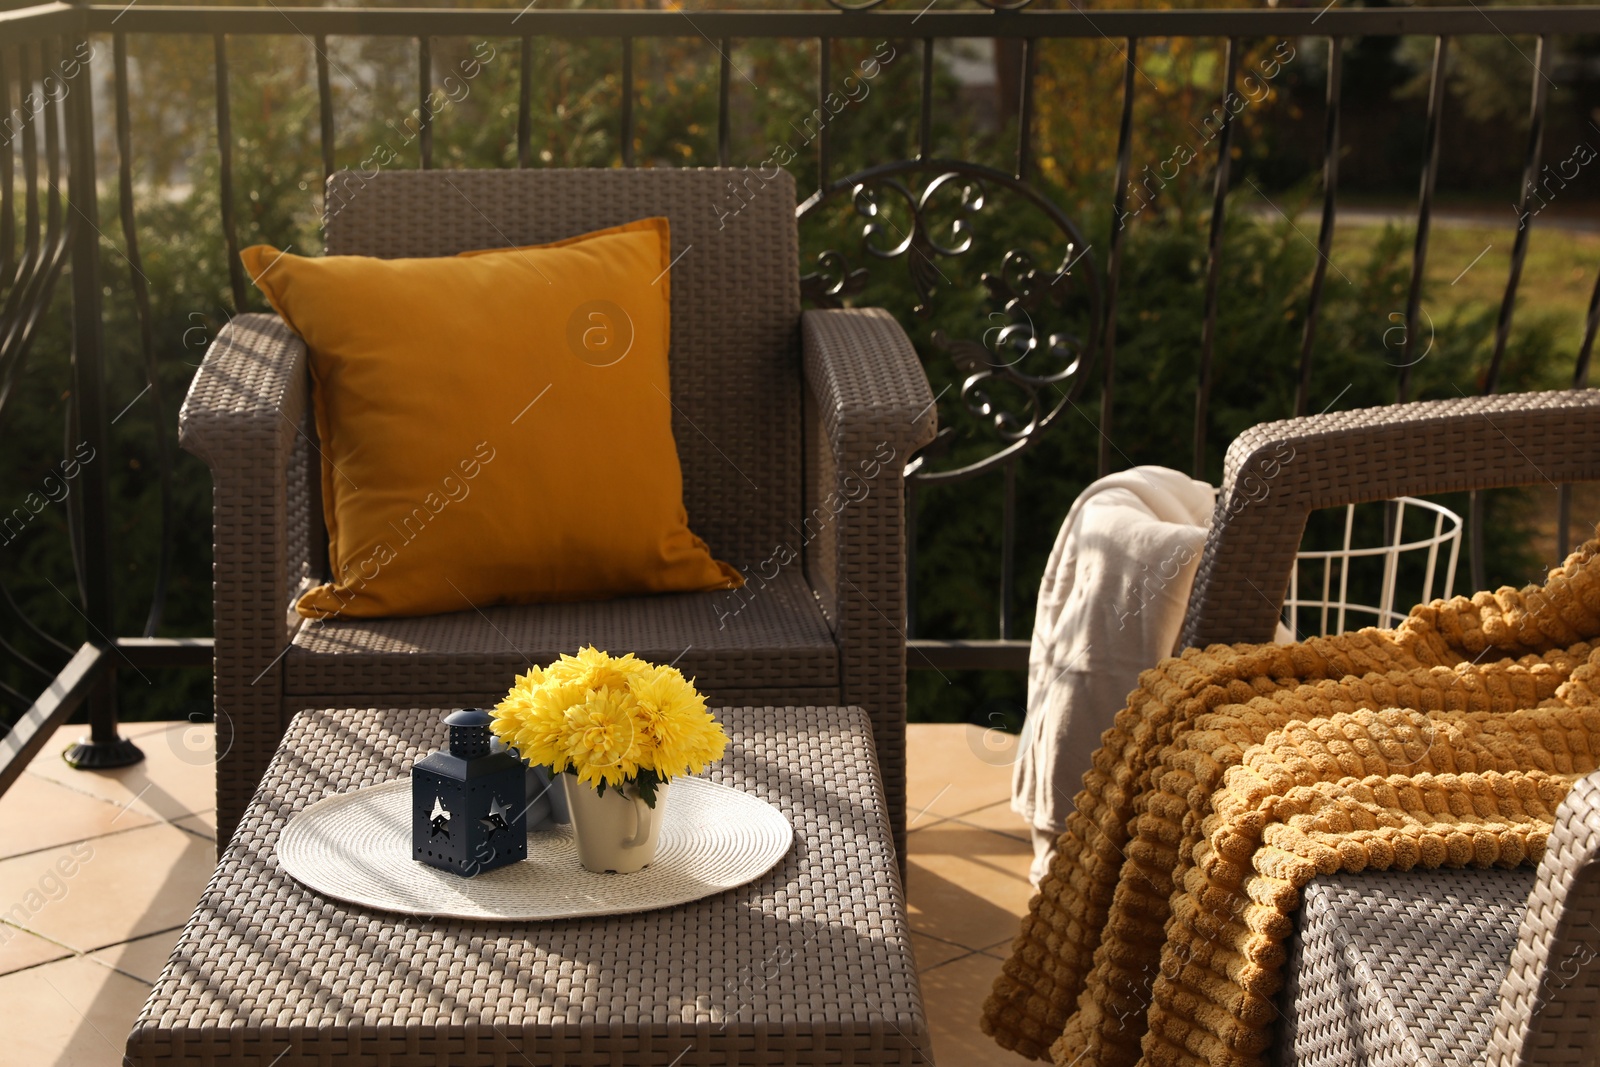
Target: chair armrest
1545,1014
1277,473
868,408
246,415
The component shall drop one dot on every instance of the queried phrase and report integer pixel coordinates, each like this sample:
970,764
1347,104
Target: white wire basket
1331,570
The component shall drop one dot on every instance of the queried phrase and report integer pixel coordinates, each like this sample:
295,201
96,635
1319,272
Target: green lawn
1558,273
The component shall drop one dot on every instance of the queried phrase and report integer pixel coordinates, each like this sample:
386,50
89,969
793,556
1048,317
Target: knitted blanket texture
1237,773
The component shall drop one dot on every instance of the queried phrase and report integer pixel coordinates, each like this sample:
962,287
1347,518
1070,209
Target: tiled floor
98,872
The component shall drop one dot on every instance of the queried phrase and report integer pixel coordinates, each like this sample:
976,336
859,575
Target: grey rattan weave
810,964
1549,1007
1398,968
793,431
1277,473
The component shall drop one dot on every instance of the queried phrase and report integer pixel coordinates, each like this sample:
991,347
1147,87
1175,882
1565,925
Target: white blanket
1111,604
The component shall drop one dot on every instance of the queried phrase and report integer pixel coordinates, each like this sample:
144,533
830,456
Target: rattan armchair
1442,966
793,431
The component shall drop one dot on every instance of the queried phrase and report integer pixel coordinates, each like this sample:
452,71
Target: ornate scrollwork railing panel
1003,300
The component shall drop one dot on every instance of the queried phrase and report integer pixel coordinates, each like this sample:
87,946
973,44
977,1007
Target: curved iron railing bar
627,102
724,88
25,313
525,104
885,172
1030,59
911,557
824,69
1119,203
425,96
49,113
1580,380
324,109
1219,199
30,157
27,303
141,301
230,232
1330,193
1519,246
1008,545
11,696
1419,255
925,111
11,318
1508,303
49,639
46,239
27,661
71,429
8,219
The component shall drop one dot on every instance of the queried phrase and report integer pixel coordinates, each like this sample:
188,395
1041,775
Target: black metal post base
90,755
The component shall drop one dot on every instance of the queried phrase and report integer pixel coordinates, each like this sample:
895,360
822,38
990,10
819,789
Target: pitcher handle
641,823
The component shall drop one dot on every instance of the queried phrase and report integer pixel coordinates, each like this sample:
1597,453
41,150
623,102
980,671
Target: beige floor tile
177,776
142,957
1000,950
19,949
37,813
1001,819
74,1013
966,885
954,995
111,889
139,729
203,823
931,952
955,768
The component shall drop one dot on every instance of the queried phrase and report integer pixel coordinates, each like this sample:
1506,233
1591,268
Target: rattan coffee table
811,963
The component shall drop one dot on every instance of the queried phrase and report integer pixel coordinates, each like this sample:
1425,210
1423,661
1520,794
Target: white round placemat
356,847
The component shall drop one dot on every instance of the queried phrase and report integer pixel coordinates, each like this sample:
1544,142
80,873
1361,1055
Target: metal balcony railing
51,147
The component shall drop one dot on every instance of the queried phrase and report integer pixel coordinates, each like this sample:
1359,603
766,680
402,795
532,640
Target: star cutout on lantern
499,817
439,820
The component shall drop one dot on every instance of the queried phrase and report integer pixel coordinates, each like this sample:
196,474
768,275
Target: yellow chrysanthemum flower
603,737
593,669
508,713
681,735
607,718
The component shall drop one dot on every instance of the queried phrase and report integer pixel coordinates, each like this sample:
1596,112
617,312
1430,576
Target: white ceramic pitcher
617,831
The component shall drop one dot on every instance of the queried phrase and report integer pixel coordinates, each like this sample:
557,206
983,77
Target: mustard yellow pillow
496,427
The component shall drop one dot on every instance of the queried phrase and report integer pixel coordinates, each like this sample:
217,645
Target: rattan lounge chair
1444,966
777,415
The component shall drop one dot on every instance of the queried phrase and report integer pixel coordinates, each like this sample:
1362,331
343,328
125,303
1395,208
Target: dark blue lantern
468,807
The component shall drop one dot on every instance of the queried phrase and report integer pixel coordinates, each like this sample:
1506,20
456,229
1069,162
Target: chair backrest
736,378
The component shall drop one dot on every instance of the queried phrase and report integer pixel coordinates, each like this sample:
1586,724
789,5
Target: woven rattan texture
1277,473
1398,968
244,416
735,303
1549,1010
776,486
871,403
771,636
1080,972
810,964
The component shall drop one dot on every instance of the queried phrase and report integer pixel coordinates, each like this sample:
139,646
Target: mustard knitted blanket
1235,774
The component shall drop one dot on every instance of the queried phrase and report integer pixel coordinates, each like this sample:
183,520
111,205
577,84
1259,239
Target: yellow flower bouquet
614,721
